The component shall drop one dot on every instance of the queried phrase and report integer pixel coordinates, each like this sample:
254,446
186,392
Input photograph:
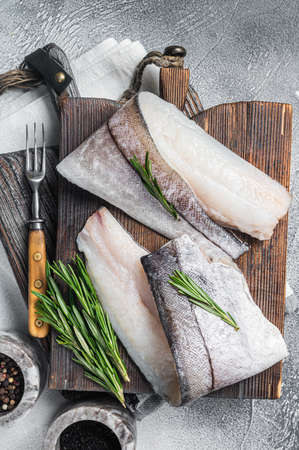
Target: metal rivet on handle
39,323
60,77
37,256
38,284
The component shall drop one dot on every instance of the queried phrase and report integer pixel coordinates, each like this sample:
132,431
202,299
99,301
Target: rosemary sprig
97,319
186,286
151,183
87,330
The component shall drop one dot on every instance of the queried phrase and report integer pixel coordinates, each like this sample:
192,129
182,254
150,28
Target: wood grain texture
37,258
79,119
15,206
174,85
259,132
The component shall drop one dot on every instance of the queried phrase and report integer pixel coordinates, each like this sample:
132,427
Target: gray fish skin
180,325
130,132
99,167
233,355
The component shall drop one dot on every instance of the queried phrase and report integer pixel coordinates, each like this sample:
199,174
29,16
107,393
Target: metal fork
35,173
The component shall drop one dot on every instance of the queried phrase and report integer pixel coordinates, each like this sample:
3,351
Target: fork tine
35,148
27,151
44,151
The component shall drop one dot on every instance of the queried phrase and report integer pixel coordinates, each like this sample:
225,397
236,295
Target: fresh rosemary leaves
151,183
83,326
186,286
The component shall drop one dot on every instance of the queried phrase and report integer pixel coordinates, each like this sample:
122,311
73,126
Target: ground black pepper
11,384
88,435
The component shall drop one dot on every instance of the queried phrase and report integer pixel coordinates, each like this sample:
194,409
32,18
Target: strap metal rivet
60,77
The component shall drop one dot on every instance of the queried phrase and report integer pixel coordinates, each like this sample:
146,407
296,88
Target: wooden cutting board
258,131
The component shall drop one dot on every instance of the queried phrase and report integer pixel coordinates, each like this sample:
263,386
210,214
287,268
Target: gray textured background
237,50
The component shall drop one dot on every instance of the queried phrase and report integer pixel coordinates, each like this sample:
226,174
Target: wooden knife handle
36,281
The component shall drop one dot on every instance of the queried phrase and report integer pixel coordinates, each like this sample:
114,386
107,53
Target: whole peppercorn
11,384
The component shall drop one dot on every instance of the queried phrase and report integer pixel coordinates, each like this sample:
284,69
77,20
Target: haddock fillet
113,262
99,167
231,191
210,354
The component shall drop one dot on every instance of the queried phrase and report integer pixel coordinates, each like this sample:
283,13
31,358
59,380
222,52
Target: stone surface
106,411
32,362
237,50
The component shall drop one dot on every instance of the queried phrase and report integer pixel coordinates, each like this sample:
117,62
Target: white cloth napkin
103,72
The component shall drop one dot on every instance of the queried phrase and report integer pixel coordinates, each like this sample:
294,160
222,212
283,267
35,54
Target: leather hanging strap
49,70
48,65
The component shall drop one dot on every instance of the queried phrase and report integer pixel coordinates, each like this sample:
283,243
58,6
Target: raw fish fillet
232,191
98,166
210,354
113,262
131,135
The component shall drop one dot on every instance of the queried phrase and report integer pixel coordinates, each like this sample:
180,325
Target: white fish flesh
232,191
132,137
210,354
113,262
98,166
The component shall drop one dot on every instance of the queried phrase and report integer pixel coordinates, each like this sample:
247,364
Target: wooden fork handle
36,281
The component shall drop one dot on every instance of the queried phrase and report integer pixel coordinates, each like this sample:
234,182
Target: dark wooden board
261,133
15,210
